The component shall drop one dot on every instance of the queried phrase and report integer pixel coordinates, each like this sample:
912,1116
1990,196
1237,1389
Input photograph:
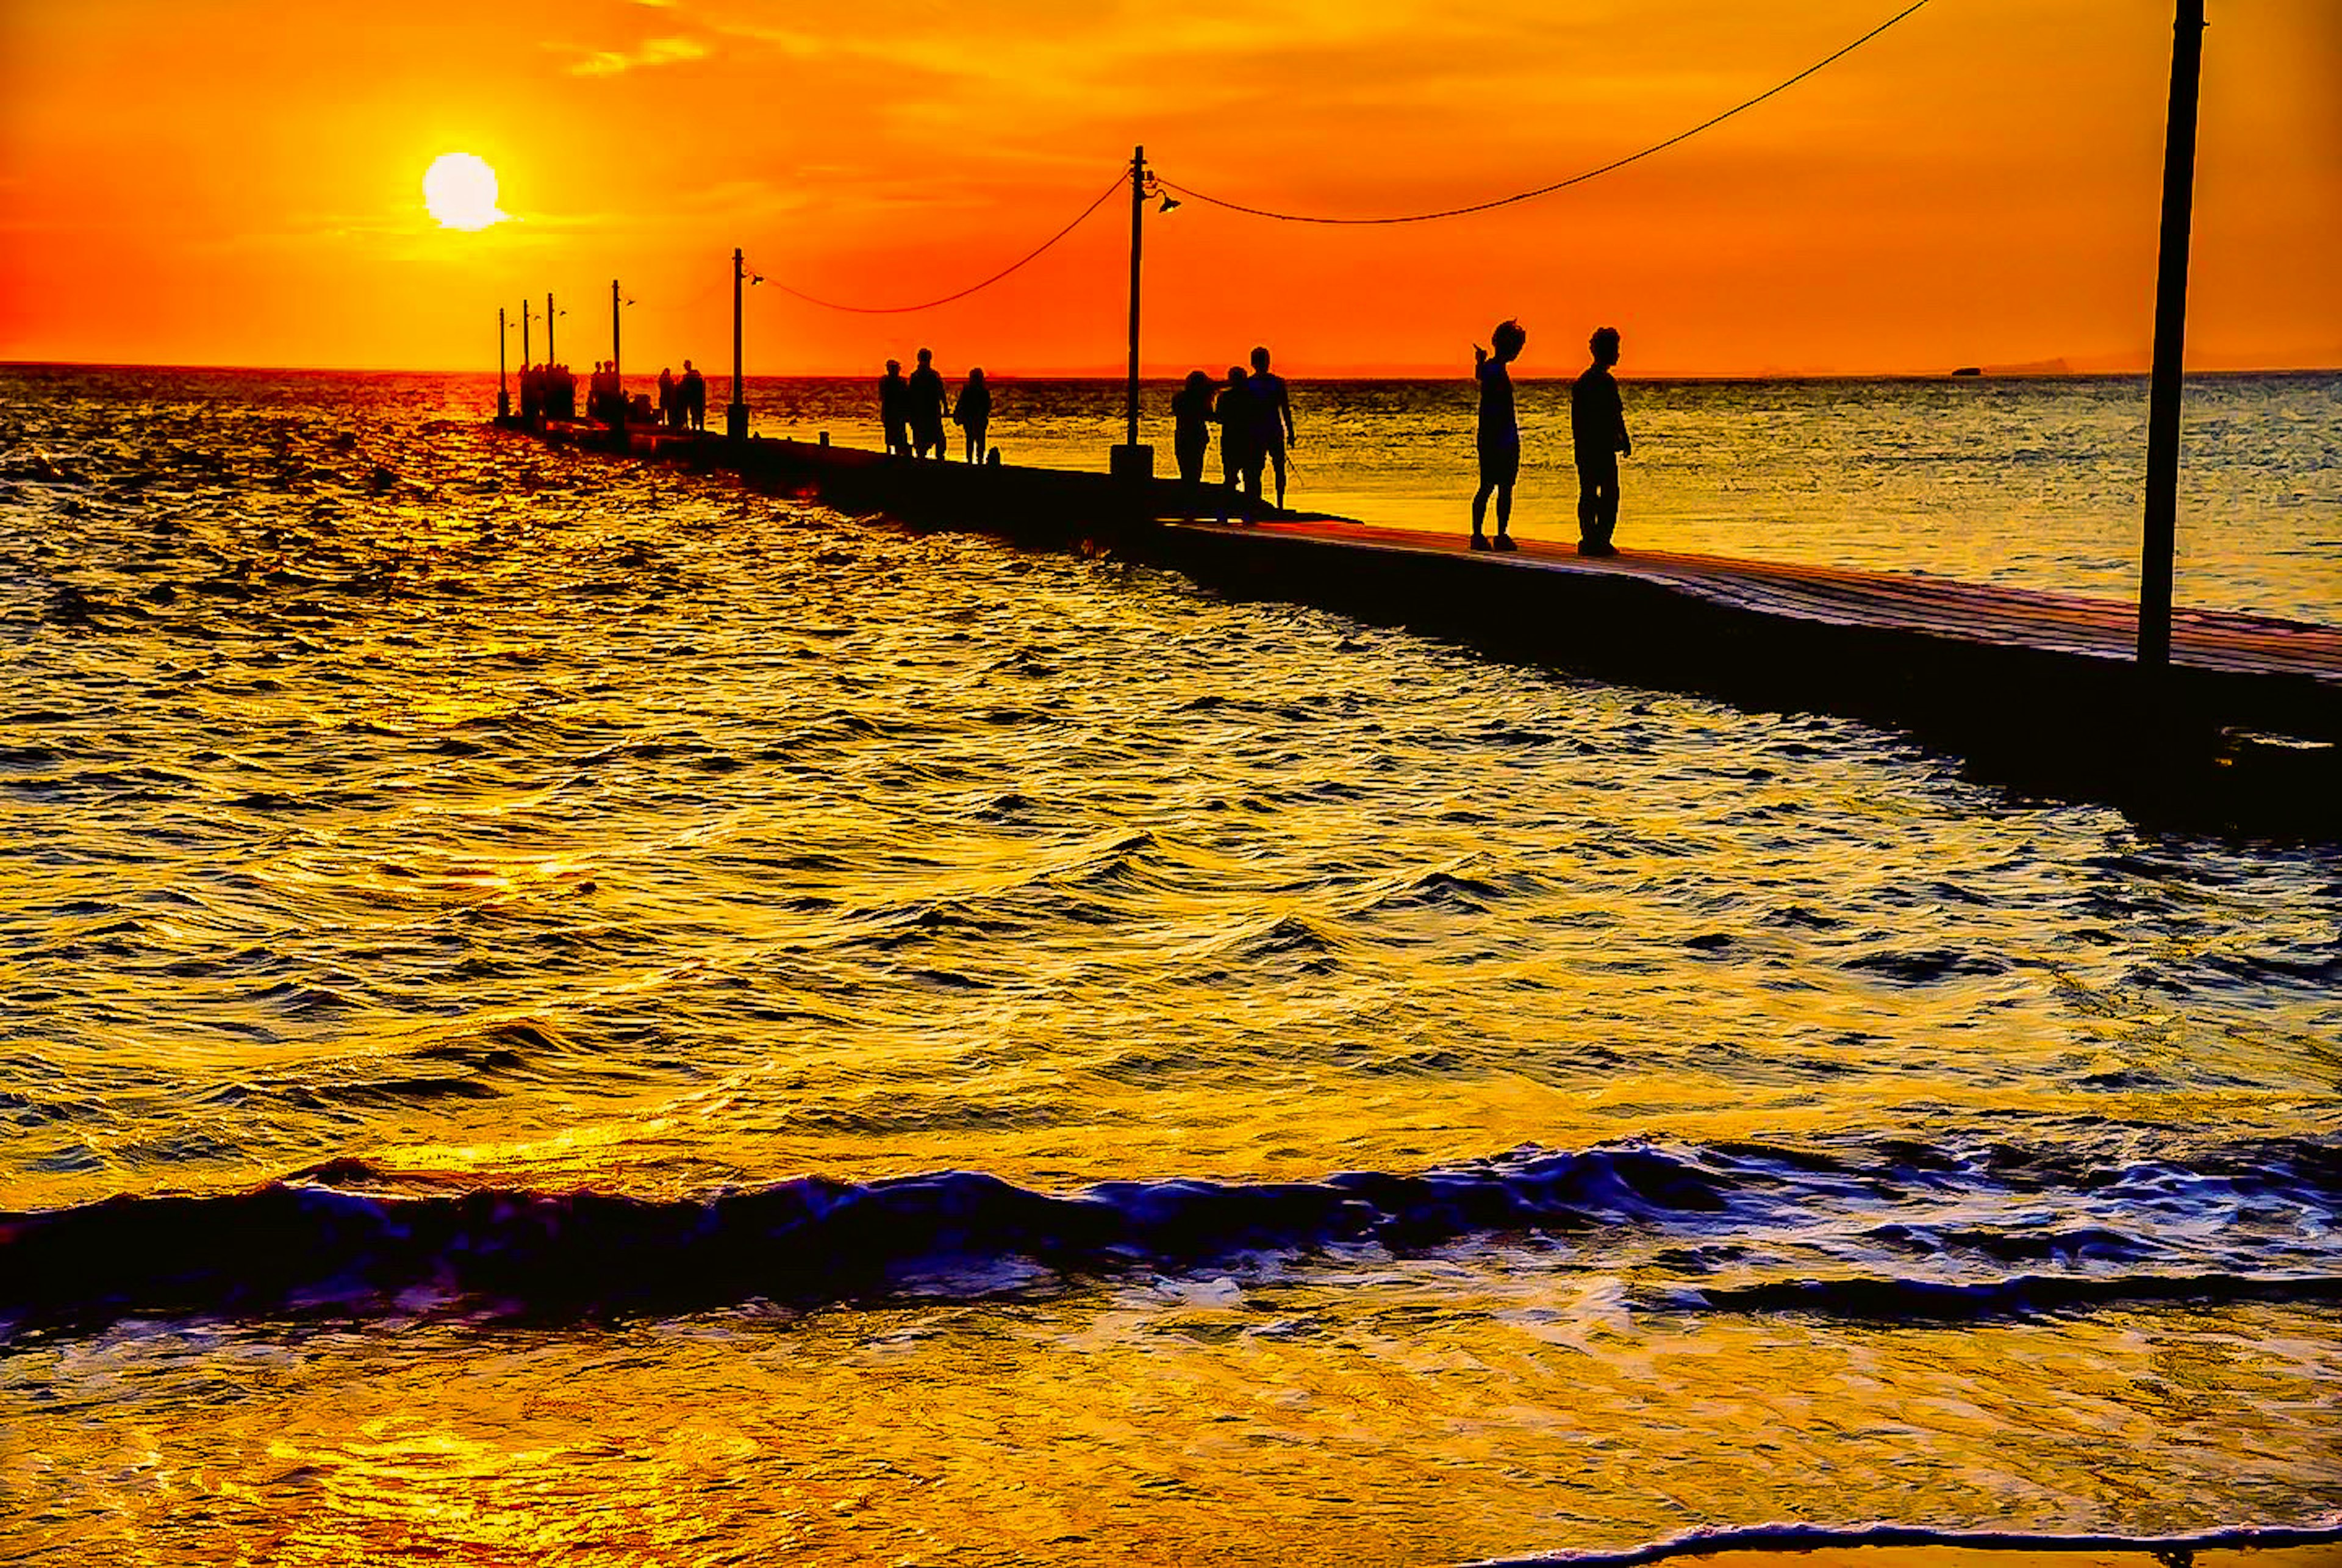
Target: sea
563,1010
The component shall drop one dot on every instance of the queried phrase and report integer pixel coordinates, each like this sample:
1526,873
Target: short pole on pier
735,416
550,357
1131,460
504,389
2161,540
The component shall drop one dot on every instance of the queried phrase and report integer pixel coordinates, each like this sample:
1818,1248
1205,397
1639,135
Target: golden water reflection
1417,1412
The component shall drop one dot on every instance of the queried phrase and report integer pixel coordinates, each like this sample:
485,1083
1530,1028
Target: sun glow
460,191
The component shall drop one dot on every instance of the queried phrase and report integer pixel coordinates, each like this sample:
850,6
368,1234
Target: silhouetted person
1191,427
927,400
1499,435
1232,410
693,393
670,408
1597,427
973,413
564,391
532,393
1274,427
893,407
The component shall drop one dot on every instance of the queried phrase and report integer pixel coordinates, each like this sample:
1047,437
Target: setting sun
460,191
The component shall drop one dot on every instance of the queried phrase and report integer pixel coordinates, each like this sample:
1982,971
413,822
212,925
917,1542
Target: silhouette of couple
1597,429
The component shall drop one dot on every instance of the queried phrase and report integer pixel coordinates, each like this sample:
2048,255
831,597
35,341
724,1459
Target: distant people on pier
1191,427
1499,435
973,413
532,393
693,391
893,408
561,392
1232,410
1272,426
928,406
1597,429
606,395
670,400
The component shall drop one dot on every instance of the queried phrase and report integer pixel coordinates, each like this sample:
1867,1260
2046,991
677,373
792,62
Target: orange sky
239,183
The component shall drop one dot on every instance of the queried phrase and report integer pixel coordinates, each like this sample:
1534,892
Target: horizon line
1395,371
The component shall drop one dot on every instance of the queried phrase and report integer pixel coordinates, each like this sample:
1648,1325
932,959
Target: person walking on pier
1232,410
927,400
893,408
693,391
1272,426
973,413
1191,427
1499,434
1597,428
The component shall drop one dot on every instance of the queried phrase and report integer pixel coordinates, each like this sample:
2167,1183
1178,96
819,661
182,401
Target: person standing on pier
1191,427
1232,412
693,391
893,408
927,400
670,410
1499,435
1597,428
973,413
1272,426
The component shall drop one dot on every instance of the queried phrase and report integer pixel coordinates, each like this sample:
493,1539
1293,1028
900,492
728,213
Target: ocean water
555,1009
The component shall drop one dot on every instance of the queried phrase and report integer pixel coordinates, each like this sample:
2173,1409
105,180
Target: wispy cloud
653,52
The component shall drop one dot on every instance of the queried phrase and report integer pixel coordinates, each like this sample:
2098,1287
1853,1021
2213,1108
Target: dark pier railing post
504,389
735,416
550,357
1130,460
2161,541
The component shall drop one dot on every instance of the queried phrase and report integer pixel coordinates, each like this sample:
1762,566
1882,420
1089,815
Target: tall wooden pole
735,417
525,359
504,391
2160,541
1137,208
613,329
550,357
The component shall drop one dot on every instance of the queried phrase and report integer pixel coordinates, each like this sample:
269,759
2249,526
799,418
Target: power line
1120,180
1573,179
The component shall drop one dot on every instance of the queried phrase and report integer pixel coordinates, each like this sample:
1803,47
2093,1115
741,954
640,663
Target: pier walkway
1926,605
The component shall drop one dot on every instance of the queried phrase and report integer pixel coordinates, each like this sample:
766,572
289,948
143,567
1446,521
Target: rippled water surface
554,1006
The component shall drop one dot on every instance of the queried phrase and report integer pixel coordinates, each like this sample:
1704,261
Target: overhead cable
1120,180
1557,184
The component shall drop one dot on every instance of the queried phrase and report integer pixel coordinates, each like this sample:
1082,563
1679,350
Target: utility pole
526,358
614,335
550,357
2160,541
735,417
1130,460
504,392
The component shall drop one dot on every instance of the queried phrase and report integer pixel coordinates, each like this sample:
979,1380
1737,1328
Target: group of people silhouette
912,410
1254,410
547,391
1598,435
683,404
